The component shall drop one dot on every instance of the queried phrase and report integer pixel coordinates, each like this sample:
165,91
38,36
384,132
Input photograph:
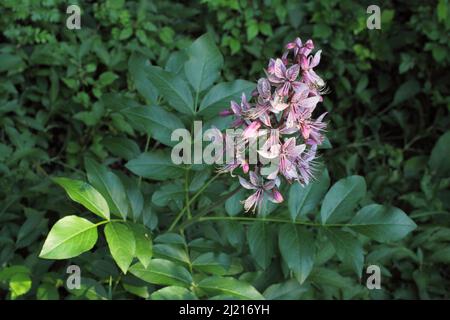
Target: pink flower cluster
282,104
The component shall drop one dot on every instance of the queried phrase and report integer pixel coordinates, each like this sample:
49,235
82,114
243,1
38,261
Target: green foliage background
66,97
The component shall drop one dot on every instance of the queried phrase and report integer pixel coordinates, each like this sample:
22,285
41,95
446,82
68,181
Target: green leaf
144,246
162,272
289,290
11,62
322,31
382,223
406,91
442,10
138,67
219,97
34,219
342,198
122,244
155,121
109,185
171,238
441,256
173,293
90,289
171,252
230,286
149,217
297,249
140,291
176,61
47,291
106,78
122,147
213,263
328,277
348,249
168,193
252,30
262,243
155,165
304,199
173,88
233,205
84,194
134,195
19,284
6,273
204,64
68,238
440,155
198,180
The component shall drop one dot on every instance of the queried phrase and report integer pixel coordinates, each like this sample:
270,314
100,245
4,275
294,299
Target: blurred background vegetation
388,102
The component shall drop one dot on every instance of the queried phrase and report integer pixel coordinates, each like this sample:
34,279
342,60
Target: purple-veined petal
292,72
280,69
310,103
316,59
252,130
246,184
275,196
254,178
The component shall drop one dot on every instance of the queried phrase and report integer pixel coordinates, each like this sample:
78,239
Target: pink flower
261,188
271,148
260,111
238,111
264,90
271,66
299,48
288,153
230,167
252,130
285,79
305,165
283,103
315,129
277,196
301,106
309,76
278,104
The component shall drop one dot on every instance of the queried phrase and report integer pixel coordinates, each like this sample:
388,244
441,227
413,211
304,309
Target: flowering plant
175,230
283,105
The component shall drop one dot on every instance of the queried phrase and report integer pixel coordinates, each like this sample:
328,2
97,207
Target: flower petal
246,184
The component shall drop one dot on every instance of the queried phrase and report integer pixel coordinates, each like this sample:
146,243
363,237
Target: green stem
199,192
429,213
208,209
196,100
186,192
252,219
147,143
107,221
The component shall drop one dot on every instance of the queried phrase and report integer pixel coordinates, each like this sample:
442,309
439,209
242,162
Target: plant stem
186,192
199,192
205,211
147,143
107,221
427,214
196,101
251,219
